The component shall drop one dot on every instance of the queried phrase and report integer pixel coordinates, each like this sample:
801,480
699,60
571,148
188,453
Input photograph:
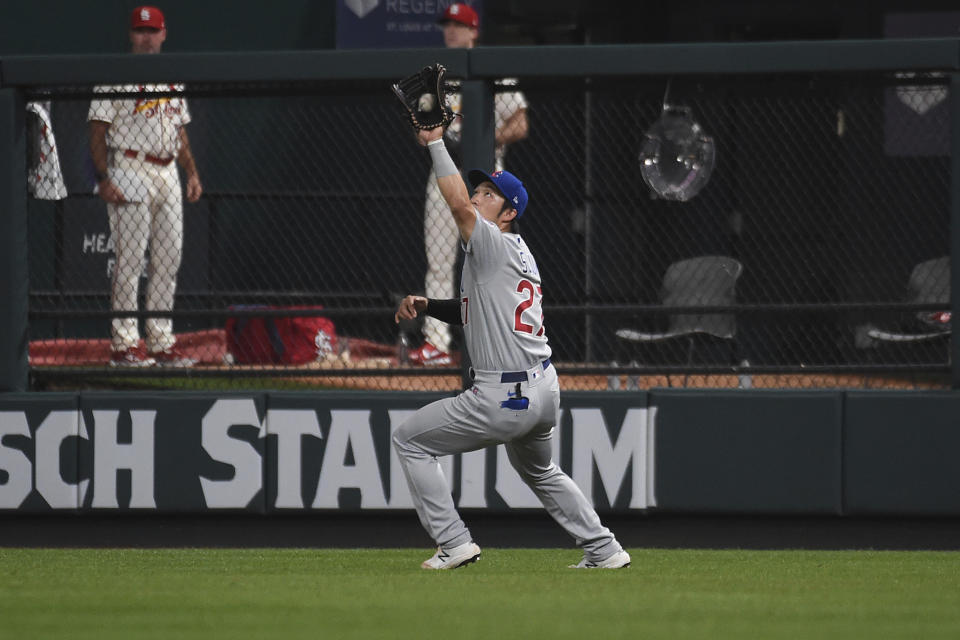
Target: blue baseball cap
508,184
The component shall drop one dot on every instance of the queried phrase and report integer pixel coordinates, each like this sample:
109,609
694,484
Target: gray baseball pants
476,419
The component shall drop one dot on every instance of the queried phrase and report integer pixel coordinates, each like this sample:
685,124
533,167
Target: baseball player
136,144
460,30
515,397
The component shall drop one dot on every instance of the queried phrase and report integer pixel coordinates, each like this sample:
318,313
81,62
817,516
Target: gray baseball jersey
501,301
514,400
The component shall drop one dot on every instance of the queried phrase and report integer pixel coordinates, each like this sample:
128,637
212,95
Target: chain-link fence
273,240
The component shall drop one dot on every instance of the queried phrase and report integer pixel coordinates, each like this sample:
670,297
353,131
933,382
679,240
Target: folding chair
921,337
694,338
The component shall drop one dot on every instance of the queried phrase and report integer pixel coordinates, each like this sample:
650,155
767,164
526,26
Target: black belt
519,376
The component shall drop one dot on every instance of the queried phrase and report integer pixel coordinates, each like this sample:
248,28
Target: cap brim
442,21
477,176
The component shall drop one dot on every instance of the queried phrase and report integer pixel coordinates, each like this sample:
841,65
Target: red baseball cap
147,17
462,13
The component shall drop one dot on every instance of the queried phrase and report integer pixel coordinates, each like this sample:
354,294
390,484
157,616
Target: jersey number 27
531,292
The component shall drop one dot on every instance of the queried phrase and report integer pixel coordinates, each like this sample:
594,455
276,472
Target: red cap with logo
147,17
462,13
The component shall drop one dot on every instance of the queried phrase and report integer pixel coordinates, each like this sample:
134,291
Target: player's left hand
424,96
429,135
409,308
194,188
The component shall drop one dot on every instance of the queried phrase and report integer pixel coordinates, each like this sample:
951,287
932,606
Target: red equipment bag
280,339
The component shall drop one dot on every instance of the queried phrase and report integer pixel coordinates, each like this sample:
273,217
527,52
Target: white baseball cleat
453,558
619,560
132,357
172,357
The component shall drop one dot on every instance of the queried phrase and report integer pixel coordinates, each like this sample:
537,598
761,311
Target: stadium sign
285,452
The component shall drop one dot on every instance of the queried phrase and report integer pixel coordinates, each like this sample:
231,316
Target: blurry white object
45,181
676,156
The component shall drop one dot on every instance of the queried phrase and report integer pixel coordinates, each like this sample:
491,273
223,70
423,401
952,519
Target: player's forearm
514,128
454,191
452,187
185,156
98,148
445,310
185,160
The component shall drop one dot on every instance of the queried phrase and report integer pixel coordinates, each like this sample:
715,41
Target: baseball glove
423,94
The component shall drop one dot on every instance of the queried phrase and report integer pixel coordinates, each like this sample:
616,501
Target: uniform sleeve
185,114
485,249
102,110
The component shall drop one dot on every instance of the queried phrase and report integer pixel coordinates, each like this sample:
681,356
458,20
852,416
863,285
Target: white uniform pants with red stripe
441,240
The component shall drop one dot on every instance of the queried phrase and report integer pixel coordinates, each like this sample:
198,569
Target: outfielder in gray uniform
461,30
515,397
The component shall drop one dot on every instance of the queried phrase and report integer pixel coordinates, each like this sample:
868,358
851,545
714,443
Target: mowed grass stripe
509,593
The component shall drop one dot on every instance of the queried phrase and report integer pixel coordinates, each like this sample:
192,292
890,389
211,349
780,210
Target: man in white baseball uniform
461,29
136,144
515,397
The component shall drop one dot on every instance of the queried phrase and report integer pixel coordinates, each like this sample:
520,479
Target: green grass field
509,593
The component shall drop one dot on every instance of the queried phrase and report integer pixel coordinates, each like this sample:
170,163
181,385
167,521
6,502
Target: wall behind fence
50,27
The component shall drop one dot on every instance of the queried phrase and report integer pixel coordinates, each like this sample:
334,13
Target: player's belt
146,157
520,376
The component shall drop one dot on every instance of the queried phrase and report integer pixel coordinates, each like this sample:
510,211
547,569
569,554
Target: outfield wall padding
749,452
285,452
673,451
902,453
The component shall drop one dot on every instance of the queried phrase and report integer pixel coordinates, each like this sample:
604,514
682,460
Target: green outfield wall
754,452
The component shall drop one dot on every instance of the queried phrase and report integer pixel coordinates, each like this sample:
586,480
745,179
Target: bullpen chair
929,284
705,338
921,337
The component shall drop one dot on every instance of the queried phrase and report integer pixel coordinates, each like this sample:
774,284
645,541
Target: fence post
954,223
477,144
13,242
478,125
